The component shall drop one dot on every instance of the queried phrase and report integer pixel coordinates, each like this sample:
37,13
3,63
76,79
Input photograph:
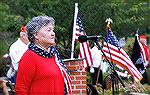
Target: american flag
64,71
84,47
111,38
117,55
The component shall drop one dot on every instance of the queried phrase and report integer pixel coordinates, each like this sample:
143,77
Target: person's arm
25,74
4,86
15,54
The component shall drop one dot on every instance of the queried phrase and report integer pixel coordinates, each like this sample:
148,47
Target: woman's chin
53,44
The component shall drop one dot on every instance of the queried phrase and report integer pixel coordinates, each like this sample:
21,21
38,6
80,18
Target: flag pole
137,34
113,74
74,29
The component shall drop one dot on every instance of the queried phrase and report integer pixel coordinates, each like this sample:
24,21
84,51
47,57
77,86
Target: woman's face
46,36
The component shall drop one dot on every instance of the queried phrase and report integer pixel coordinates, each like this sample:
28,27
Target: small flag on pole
78,30
139,57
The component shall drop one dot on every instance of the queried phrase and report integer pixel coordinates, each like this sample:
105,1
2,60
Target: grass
122,91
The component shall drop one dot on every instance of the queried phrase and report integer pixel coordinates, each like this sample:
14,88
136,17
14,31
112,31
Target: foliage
3,66
3,48
127,16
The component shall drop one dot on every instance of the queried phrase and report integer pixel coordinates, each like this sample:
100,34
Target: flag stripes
142,52
66,76
120,57
84,47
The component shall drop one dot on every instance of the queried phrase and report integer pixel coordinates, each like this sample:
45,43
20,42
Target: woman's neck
42,47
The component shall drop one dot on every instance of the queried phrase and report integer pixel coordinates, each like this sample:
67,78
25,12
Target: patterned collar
42,52
46,54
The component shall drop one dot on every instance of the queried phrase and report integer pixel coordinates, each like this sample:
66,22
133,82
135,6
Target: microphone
84,38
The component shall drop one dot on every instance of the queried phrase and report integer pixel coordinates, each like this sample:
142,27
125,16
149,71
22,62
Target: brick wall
78,76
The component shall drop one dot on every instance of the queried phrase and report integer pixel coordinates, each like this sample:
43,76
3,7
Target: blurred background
128,16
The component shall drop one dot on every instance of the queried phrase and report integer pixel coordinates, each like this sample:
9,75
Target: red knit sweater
38,76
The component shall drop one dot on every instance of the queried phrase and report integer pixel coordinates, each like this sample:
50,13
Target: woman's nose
53,33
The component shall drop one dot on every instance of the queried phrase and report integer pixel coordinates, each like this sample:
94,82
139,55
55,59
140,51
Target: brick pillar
78,77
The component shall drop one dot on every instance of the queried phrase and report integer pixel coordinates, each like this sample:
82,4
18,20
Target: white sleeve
15,55
96,56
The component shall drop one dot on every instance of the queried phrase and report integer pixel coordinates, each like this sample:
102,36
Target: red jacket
38,76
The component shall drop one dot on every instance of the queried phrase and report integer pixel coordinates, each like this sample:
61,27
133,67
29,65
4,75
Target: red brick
84,82
77,62
73,67
72,77
81,87
76,73
75,82
76,92
67,63
83,91
81,77
73,87
74,63
83,73
78,79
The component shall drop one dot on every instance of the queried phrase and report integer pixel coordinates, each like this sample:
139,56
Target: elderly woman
41,70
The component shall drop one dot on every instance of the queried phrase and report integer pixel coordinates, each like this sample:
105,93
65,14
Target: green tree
127,16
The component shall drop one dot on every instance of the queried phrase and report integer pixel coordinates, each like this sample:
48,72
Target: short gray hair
36,24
